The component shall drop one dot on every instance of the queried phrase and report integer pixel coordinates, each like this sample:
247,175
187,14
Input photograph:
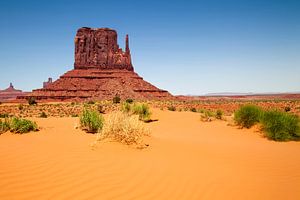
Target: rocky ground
227,107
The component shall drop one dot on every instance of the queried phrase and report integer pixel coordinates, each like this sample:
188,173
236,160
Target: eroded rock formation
101,71
98,48
10,93
46,83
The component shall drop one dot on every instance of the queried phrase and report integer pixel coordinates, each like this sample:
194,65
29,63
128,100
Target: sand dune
187,159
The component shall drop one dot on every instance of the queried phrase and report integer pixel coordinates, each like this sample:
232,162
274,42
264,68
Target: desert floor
186,159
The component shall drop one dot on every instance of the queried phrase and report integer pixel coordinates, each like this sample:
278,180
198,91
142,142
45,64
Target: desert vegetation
17,125
171,108
91,121
228,107
247,116
116,99
4,115
219,114
277,125
124,128
246,113
4,125
43,115
140,109
32,101
280,126
129,100
208,115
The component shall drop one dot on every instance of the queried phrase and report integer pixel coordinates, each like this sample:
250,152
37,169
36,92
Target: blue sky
186,47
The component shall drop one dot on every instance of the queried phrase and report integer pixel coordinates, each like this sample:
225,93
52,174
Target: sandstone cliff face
101,71
98,48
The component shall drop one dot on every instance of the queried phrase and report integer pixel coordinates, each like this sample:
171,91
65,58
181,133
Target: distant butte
10,93
101,71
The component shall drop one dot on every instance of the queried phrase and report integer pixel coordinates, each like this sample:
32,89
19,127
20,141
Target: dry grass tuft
123,128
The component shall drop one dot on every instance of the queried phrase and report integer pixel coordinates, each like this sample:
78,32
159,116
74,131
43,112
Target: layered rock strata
101,71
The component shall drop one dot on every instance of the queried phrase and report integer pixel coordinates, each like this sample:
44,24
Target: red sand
187,159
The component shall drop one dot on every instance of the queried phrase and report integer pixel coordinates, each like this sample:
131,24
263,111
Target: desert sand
186,159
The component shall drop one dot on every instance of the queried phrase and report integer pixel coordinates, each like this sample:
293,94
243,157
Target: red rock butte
10,93
101,71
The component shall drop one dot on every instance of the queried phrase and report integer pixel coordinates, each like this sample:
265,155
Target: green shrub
18,125
219,114
126,107
208,113
287,109
193,110
247,115
172,108
20,106
201,110
43,115
280,126
116,99
129,100
4,115
32,101
4,125
91,102
91,121
143,111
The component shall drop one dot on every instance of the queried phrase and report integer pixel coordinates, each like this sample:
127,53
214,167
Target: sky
186,47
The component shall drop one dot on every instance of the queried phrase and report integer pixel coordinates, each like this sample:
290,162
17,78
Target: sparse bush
43,115
129,100
201,110
123,128
193,110
20,106
101,109
208,113
91,102
207,116
219,114
143,111
74,115
280,126
116,99
91,121
4,125
247,115
18,125
126,107
172,108
4,115
32,101
287,109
